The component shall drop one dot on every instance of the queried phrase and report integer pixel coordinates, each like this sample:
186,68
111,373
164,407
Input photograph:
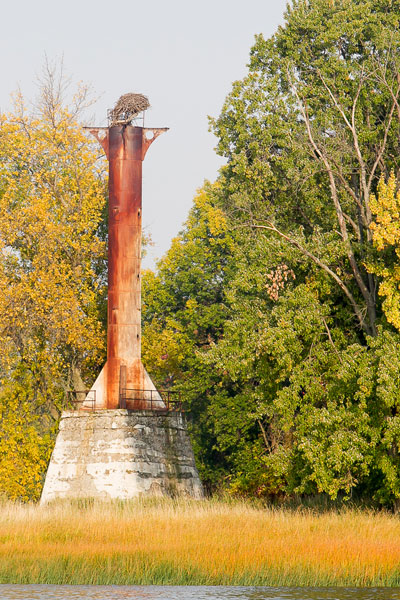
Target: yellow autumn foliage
386,238
25,445
52,279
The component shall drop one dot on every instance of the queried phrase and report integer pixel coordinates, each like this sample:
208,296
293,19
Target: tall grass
196,543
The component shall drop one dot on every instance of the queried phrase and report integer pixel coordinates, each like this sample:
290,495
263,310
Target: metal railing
157,400
133,399
77,398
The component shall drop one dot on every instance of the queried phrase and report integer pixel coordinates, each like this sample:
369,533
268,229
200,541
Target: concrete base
123,454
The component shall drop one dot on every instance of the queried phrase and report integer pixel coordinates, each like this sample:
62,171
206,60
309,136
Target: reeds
196,543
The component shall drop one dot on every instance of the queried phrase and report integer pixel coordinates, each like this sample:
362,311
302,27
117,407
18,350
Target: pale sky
184,55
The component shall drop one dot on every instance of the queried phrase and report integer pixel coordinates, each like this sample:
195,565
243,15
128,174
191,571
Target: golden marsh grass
196,543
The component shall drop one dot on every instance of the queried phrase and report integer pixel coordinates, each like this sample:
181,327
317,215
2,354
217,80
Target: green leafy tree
309,131
307,135
184,309
285,355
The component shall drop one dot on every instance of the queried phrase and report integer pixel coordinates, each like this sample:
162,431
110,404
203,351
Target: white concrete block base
124,454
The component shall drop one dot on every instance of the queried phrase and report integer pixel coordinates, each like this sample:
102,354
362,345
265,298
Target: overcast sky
183,54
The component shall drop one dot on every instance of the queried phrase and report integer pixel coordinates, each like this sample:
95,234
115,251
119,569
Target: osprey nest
127,108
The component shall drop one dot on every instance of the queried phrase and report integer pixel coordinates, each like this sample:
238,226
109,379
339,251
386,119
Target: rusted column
125,147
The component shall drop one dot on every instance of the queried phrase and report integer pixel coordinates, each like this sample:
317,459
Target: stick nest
127,108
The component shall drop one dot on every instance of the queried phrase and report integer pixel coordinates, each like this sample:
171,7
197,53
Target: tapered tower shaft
125,147
124,258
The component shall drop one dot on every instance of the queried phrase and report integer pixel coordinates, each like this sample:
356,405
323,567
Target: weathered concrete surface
121,454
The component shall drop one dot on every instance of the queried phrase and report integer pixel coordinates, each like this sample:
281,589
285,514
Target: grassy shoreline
167,542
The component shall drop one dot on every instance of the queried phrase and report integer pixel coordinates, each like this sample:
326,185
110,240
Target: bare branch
363,171
264,435
54,87
335,100
384,141
342,224
353,225
317,261
331,340
383,79
350,191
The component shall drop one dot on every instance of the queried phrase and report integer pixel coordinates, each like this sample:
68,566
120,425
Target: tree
310,130
52,264
303,406
386,238
183,310
293,388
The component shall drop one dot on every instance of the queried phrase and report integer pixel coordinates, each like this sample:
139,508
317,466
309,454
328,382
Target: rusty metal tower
123,381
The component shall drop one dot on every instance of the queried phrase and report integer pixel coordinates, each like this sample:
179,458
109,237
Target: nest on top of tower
127,108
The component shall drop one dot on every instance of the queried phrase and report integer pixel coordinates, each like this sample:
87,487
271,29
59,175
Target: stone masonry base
122,454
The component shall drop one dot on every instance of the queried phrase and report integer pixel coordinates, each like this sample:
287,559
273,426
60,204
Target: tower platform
110,454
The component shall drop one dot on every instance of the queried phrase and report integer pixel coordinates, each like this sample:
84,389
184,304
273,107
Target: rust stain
125,147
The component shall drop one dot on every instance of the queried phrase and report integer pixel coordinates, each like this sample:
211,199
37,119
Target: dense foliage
52,267
290,364
276,310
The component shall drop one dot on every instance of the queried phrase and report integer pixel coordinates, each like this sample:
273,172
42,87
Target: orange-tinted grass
196,543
